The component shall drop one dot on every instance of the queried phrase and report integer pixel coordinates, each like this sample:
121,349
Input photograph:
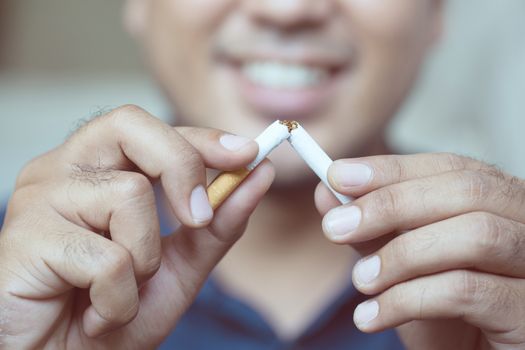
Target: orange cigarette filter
224,184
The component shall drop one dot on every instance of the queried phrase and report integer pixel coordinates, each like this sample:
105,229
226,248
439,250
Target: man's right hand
82,264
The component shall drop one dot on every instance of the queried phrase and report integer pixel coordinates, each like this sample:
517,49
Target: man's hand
82,264
444,237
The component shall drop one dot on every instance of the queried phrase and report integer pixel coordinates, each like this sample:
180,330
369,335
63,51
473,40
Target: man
82,264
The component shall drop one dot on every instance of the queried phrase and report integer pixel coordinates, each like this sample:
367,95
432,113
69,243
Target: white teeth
278,75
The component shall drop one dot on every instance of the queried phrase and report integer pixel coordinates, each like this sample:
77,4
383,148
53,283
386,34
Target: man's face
339,67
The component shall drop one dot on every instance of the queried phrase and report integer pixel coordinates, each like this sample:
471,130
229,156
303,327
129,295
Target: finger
117,203
78,258
189,255
490,302
325,201
476,240
358,176
420,202
219,149
130,138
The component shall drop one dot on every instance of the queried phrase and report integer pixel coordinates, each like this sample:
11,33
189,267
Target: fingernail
200,206
341,221
233,142
366,312
351,174
367,270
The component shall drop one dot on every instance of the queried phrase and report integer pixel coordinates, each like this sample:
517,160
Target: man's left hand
444,239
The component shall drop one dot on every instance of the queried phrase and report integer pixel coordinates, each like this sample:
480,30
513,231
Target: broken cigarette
224,184
268,140
314,156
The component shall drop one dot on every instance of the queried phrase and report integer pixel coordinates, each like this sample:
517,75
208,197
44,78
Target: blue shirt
218,321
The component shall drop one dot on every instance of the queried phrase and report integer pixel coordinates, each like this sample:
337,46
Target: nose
289,13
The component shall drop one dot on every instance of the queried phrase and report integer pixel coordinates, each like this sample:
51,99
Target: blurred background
61,61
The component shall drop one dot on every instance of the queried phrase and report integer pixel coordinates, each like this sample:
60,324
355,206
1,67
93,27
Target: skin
453,229
81,261
64,283
385,44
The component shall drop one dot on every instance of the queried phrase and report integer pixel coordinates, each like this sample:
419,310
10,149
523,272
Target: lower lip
297,104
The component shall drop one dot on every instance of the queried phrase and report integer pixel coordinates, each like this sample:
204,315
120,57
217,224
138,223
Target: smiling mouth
285,76
286,90
291,82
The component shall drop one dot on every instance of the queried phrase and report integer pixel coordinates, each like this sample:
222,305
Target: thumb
199,250
189,255
325,201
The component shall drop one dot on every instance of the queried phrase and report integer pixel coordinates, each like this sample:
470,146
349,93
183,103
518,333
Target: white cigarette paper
315,157
268,140
228,181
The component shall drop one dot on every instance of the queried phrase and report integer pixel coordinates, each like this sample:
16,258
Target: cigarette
314,156
224,184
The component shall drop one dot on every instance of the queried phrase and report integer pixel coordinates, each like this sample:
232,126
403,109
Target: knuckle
116,259
397,169
502,181
476,185
81,249
454,161
506,187
397,298
103,119
133,185
409,299
489,233
229,237
507,190
386,201
476,291
115,120
467,287
150,266
83,123
496,237
188,158
119,118
400,251
126,111
503,296
492,171
516,189
514,246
